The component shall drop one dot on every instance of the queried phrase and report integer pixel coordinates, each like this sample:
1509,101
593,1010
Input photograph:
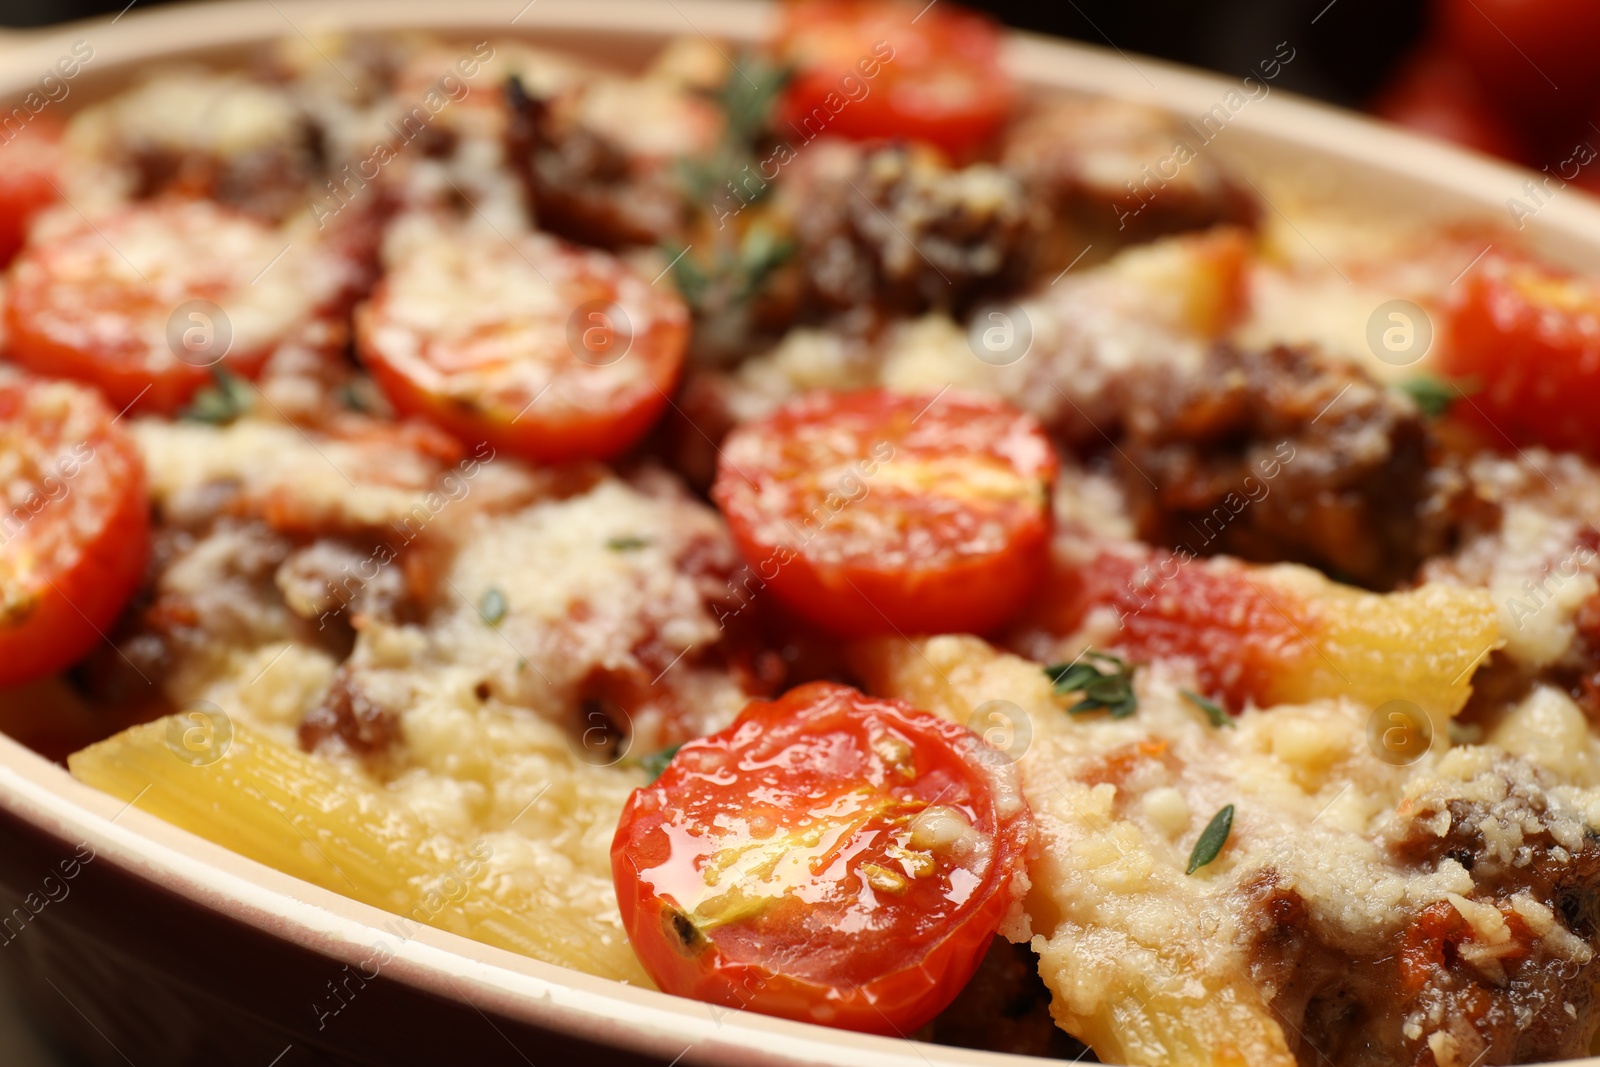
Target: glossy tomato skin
78,308
892,70
876,512
797,813
75,531
589,407
29,161
1527,337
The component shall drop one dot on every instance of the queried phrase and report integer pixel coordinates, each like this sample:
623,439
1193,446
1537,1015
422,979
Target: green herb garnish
1212,838
656,762
1110,690
493,606
1213,711
222,402
1434,395
627,544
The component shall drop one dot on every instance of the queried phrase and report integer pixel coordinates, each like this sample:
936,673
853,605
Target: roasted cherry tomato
1527,336
873,512
1536,56
1210,613
149,302
1435,94
542,349
829,857
74,529
29,160
890,69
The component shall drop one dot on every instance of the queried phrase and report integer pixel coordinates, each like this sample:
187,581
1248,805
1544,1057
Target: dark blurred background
1342,58
1517,79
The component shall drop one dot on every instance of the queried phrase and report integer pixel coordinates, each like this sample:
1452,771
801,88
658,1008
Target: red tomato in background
876,512
887,69
1528,335
74,524
28,165
1434,93
830,857
1536,59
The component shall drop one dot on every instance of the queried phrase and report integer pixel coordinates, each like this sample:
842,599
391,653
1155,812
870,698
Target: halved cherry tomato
892,69
29,160
829,857
540,348
873,512
1208,612
130,302
75,527
1528,336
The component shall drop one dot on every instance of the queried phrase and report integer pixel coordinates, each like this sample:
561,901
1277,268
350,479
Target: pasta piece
305,817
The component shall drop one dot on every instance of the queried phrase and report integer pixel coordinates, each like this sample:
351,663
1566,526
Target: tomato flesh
28,165
875,512
1203,611
110,302
829,857
75,528
888,69
1527,337
539,348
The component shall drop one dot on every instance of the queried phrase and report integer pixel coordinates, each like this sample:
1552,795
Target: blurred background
1513,78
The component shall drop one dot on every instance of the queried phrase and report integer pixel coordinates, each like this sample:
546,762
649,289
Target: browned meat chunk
1279,456
580,183
1503,975
1112,172
896,227
349,716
